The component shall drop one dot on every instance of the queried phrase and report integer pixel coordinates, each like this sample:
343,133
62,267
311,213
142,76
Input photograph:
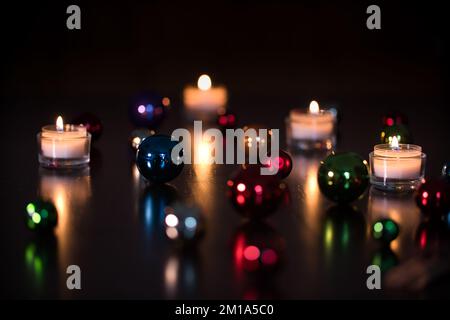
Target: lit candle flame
204,82
59,124
314,107
394,142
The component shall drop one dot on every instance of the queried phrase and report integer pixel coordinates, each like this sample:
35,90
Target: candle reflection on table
70,192
181,273
402,209
204,170
305,167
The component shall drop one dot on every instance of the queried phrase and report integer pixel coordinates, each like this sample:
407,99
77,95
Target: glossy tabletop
111,219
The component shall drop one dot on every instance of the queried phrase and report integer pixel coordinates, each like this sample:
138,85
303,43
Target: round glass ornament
343,177
41,216
154,160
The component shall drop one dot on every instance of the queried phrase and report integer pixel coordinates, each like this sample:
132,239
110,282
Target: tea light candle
205,97
63,145
397,166
311,129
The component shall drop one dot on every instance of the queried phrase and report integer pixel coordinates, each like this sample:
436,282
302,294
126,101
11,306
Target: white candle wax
313,125
204,97
63,144
402,162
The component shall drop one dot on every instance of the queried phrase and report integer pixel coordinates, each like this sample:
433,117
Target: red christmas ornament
91,122
226,120
433,198
282,164
255,195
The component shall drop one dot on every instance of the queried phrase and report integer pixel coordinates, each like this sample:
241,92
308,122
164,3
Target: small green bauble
385,230
397,130
343,177
41,216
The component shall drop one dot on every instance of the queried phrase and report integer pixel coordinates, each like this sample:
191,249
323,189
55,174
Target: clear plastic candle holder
399,169
306,131
67,148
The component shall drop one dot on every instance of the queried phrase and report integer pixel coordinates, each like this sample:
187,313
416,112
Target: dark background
271,56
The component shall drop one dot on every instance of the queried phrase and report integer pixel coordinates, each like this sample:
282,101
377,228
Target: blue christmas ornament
154,160
148,110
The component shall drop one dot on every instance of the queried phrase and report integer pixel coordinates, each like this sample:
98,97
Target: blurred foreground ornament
343,177
433,198
385,230
92,123
258,248
400,131
184,223
138,135
254,195
154,159
41,216
148,110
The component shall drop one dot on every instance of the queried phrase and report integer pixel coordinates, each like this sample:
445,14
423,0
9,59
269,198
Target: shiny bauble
41,216
254,195
147,111
154,159
343,177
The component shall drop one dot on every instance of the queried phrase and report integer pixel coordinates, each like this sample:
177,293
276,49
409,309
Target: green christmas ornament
343,177
385,230
397,130
41,215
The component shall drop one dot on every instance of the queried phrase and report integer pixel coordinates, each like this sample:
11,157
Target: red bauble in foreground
433,198
91,122
282,164
254,195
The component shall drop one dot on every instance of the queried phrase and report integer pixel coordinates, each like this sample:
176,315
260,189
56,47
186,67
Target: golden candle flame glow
314,107
394,142
204,82
59,124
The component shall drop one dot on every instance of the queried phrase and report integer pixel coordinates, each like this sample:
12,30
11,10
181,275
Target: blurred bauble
226,120
91,122
154,159
184,223
138,135
433,198
394,118
41,216
254,195
446,171
257,248
385,230
282,164
397,130
148,110
343,177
